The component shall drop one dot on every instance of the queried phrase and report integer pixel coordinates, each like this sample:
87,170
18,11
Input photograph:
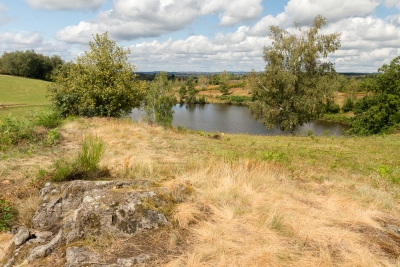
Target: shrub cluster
14,131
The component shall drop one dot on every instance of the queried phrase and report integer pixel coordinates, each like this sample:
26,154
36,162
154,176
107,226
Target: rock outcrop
70,211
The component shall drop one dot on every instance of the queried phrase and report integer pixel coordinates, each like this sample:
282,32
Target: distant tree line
29,64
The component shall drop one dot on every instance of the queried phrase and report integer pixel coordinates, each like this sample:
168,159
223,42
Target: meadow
20,96
247,200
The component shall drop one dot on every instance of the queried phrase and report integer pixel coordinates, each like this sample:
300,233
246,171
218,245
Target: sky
200,35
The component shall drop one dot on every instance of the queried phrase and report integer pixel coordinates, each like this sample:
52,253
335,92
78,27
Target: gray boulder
22,235
78,208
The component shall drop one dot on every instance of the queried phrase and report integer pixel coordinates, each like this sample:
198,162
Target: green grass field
20,96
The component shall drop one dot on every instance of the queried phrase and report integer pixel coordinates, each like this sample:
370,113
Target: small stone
45,235
22,235
80,255
128,262
44,250
54,192
35,241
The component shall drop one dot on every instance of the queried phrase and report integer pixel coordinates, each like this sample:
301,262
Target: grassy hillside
19,96
250,200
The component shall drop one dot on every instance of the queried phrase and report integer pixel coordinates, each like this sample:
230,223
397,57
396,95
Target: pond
236,119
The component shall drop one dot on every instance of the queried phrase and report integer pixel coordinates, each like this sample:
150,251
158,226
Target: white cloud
304,11
65,4
200,53
367,41
20,38
393,3
232,12
3,15
130,20
10,42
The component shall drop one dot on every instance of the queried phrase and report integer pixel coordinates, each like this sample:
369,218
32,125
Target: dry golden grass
264,201
5,243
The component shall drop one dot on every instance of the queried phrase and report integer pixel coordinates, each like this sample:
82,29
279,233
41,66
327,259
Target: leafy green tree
348,104
379,112
29,64
159,101
191,91
224,83
290,92
101,83
216,79
182,92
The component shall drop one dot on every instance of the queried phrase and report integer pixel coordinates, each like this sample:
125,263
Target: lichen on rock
70,211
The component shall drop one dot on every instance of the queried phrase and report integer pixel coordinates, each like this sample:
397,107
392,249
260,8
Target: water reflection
235,119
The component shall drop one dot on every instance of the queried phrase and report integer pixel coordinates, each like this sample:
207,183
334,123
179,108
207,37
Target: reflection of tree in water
237,119
192,107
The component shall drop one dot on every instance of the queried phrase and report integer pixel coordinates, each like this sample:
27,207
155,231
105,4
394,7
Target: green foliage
63,169
331,107
101,82
182,92
293,88
380,112
6,215
273,156
85,165
201,100
29,64
12,131
224,83
48,119
92,150
159,101
191,91
216,80
348,105
53,136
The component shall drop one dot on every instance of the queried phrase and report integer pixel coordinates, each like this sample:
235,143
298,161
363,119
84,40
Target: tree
29,64
202,81
159,101
101,83
290,92
379,112
224,83
182,92
191,90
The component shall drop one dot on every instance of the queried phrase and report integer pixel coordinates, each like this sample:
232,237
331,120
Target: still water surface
235,119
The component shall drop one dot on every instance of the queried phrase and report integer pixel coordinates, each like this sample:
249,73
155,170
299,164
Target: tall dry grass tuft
187,213
26,209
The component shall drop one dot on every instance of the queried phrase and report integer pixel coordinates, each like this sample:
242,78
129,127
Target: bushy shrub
12,130
348,105
332,107
101,83
380,112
